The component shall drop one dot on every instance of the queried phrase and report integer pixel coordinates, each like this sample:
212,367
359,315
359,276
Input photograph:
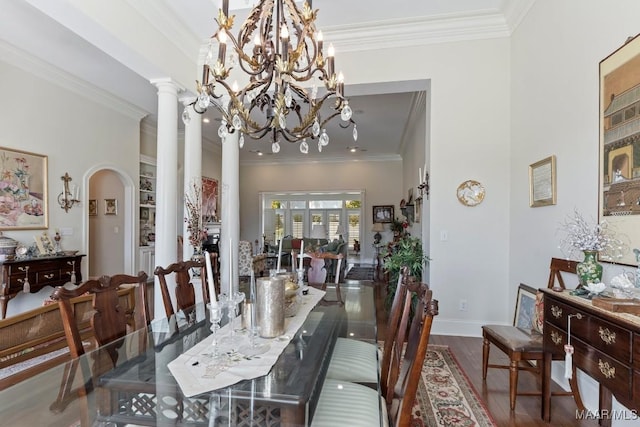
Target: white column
167,182
230,207
192,163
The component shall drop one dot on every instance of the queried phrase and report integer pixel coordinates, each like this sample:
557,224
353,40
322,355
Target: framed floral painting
620,144
23,190
209,200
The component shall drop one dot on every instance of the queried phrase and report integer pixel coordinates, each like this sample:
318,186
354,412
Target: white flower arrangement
581,235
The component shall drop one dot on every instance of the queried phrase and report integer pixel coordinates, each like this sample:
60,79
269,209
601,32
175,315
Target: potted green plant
405,252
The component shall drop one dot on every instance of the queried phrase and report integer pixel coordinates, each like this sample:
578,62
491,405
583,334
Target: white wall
555,94
76,134
381,182
469,139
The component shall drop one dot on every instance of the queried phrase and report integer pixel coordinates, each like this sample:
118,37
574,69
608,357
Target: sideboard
606,347
32,274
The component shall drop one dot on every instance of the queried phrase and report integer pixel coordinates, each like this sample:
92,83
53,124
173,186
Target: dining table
142,388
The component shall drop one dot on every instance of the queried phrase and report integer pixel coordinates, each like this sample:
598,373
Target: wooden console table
39,272
606,347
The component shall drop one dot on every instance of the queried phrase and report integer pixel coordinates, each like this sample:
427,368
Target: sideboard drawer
558,313
554,339
48,276
607,371
610,339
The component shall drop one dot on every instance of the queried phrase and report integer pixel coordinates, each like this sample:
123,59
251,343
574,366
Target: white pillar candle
279,254
212,289
301,253
419,176
231,287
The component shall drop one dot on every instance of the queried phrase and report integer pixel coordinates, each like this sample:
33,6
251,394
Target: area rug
445,396
360,272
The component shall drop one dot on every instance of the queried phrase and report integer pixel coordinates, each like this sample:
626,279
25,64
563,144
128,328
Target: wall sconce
68,198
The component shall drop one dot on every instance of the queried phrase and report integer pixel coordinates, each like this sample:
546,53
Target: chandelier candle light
279,50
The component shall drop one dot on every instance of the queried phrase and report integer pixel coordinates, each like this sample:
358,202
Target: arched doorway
109,234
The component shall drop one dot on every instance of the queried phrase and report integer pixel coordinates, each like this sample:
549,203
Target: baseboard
465,328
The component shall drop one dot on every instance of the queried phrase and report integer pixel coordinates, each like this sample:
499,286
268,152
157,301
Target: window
295,214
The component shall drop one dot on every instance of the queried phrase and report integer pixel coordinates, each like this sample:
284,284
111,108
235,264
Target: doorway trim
128,209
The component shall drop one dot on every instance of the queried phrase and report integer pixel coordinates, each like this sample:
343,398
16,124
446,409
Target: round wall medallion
470,193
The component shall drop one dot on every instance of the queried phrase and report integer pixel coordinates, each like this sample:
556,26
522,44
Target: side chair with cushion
184,290
359,361
523,343
109,322
346,403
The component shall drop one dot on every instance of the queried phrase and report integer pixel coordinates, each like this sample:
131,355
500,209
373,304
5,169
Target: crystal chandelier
282,55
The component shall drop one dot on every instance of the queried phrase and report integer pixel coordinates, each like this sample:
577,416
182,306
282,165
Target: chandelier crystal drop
355,132
186,118
241,140
281,55
304,147
275,147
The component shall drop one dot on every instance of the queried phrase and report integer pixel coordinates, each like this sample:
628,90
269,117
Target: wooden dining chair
523,347
359,361
345,403
185,294
109,321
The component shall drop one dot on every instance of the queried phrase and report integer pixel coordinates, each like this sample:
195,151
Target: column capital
167,83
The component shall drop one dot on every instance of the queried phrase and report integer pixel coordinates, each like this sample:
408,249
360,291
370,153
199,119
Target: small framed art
542,182
383,213
110,206
93,207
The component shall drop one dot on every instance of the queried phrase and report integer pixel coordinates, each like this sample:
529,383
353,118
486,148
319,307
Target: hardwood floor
495,391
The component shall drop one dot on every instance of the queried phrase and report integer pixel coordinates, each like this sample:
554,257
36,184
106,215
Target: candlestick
231,289
301,254
279,255
419,176
212,289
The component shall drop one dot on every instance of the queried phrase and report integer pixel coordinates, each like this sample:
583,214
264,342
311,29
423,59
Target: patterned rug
360,272
445,396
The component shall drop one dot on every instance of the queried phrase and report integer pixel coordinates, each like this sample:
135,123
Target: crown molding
515,11
418,31
44,70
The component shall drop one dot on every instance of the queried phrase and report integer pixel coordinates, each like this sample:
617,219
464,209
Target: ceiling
42,37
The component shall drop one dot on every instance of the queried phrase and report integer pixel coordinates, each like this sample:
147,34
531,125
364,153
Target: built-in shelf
147,208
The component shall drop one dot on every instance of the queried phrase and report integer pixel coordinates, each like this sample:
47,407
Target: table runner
189,369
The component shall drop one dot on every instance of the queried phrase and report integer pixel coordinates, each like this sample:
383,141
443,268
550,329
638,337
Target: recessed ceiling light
205,120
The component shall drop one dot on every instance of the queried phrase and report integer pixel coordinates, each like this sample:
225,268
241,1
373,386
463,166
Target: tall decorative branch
193,210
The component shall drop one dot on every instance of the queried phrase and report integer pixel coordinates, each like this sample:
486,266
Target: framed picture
542,182
525,307
110,207
383,213
144,214
93,207
209,200
23,190
619,198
